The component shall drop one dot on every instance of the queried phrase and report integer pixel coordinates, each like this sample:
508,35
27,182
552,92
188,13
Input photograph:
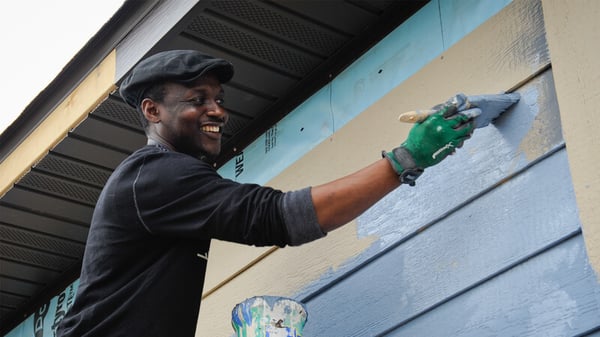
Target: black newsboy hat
173,65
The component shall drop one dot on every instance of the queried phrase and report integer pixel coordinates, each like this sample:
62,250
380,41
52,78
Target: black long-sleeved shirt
147,248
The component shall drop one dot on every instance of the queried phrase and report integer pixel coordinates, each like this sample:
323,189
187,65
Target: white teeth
210,128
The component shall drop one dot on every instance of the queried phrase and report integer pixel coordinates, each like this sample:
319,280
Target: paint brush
483,108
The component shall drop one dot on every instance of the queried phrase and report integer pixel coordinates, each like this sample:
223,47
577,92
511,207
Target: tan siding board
573,34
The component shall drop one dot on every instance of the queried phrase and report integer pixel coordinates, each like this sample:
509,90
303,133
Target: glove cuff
403,164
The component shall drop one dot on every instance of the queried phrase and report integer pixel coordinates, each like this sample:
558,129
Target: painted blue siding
475,250
550,294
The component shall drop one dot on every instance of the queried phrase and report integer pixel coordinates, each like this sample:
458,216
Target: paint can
269,316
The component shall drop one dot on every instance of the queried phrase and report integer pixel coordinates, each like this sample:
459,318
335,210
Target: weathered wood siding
488,243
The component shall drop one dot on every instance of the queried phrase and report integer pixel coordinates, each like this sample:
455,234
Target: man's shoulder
157,161
159,155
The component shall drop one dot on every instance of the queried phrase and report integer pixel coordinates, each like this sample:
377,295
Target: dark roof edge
85,60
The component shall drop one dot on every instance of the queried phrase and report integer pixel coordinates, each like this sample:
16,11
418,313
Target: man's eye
198,101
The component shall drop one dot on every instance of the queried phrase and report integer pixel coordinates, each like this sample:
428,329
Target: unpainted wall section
573,33
487,243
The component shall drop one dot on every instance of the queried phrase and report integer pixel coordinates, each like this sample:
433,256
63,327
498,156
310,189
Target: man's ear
150,110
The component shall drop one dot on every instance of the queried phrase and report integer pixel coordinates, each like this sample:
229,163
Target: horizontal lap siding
551,294
485,241
500,209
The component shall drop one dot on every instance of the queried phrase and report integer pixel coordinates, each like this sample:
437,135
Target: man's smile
211,129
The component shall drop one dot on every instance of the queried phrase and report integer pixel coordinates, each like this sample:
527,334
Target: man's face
192,118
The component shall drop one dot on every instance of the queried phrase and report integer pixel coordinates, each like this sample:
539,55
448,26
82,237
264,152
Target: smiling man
147,248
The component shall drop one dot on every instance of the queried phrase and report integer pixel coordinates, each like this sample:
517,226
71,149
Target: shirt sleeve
179,196
300,217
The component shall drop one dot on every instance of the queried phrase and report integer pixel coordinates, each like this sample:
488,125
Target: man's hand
430,141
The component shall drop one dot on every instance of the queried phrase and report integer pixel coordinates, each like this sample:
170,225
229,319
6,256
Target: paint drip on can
269,316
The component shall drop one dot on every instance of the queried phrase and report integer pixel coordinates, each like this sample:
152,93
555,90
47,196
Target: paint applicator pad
490,106
483,108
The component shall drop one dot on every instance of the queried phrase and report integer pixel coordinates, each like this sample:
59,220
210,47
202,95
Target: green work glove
429,142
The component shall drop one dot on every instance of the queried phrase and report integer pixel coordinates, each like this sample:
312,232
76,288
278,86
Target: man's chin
210,155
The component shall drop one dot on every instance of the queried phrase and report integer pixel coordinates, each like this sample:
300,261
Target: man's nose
217,110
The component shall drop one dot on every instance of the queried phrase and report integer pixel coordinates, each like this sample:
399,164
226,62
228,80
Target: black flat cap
174,65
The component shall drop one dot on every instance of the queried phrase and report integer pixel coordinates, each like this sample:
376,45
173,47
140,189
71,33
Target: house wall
500,239
488,243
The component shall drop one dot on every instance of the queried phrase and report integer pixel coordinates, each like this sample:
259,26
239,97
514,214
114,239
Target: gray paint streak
491,155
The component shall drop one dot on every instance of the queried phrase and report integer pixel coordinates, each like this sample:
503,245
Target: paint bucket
269,316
